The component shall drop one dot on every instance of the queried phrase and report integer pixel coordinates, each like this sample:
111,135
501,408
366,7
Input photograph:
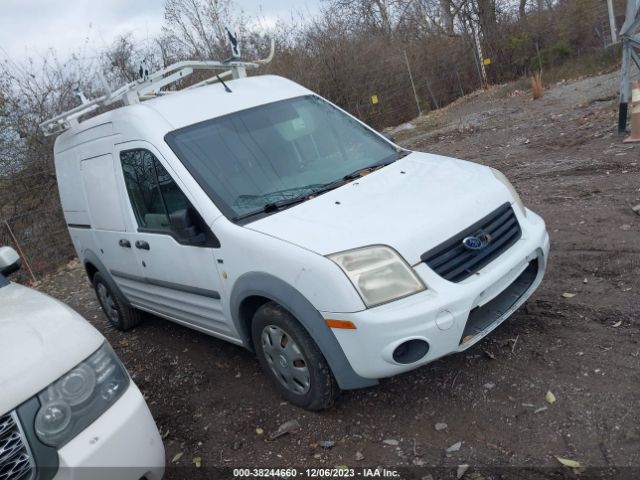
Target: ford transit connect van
258,212
68,408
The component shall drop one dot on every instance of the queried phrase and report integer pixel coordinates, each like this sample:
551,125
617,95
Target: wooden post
22,256
612,21
460,83
433,97
413,85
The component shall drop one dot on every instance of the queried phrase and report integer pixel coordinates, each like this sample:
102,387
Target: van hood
40,340
412,205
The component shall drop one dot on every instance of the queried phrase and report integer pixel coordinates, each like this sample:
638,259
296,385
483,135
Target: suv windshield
260,159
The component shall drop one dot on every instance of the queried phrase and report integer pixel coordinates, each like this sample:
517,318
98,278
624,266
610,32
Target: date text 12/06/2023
337,472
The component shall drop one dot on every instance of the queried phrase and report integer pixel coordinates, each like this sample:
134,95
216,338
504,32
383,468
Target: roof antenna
226,89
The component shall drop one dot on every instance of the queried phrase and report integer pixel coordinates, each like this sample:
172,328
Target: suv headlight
378,273
505,181
80,396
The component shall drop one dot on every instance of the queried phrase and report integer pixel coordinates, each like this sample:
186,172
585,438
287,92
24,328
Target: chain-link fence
41,239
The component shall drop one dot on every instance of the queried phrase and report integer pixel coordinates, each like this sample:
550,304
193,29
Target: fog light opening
410,351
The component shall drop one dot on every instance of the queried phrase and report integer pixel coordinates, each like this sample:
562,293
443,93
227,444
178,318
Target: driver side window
153,194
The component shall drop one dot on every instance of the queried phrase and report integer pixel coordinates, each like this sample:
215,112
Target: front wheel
120,316
291,359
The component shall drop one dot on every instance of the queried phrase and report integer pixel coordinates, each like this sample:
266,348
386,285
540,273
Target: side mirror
9,261
184,225
181,219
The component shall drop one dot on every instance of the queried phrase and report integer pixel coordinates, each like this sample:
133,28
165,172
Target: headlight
505,181
378,273
80,396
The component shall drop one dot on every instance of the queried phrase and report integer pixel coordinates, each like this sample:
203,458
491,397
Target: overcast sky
31,27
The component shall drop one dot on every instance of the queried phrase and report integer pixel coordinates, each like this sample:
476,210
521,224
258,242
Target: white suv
68,408
264,215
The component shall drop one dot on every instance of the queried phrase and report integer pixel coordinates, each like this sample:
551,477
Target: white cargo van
68,409
260,213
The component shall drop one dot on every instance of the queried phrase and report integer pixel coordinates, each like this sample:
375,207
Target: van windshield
259,160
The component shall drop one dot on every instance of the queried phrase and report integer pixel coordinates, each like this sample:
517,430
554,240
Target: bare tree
521,9
121,62
197,28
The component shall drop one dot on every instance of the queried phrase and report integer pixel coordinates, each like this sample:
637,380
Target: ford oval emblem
476,242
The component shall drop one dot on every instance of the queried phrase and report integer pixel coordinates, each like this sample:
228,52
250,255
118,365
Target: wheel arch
254,289
91,270
92,265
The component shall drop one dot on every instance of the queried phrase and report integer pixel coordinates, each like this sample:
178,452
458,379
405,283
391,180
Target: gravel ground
210,400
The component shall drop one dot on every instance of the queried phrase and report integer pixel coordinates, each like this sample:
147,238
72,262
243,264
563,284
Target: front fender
266,285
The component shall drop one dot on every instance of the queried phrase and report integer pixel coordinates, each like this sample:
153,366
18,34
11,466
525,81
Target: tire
120,316
291,359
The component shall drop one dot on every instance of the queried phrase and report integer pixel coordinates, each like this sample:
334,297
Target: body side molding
170,285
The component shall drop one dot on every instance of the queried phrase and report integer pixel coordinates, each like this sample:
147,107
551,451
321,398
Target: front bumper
122,444
450,317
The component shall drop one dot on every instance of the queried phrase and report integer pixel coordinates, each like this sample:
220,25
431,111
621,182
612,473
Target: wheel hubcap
108,304
285,359
283,362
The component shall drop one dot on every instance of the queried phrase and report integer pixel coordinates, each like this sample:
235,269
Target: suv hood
40,340
412,205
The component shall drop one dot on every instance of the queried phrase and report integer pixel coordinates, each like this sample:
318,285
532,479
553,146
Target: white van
260,213
68,408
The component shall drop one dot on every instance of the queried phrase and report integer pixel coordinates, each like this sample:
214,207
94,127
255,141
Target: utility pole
413,85
630,38
480,57
612,22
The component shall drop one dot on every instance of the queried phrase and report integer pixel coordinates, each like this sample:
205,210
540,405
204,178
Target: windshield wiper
279,204
278,194
366,170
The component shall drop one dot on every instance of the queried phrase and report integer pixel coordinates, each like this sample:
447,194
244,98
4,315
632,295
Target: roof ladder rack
150,86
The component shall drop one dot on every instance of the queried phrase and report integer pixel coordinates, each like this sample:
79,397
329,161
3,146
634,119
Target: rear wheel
291,359
120,316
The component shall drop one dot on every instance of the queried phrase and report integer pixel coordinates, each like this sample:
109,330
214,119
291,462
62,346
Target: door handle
124,243
142,245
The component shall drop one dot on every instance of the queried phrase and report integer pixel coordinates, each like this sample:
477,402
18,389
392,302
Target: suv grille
16,462
455,262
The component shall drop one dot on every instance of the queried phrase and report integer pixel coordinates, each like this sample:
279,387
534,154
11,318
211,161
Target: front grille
16,462
455,262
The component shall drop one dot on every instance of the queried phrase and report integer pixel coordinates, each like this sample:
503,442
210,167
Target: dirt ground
211,401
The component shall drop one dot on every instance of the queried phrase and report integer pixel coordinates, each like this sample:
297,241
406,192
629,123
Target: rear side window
152,192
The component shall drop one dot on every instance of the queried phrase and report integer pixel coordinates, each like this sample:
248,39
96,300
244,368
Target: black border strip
170,285
45,457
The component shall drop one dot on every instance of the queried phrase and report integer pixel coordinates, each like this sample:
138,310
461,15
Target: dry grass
537,89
